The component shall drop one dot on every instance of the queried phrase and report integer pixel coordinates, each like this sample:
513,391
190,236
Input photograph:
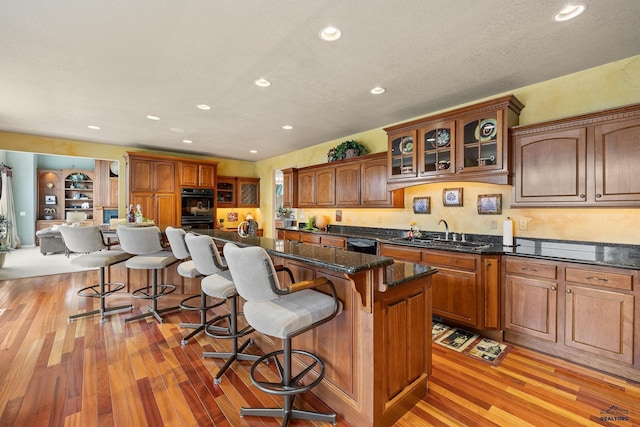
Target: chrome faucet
446,229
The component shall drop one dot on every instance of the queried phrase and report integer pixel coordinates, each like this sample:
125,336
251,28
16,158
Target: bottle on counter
138,214
130,215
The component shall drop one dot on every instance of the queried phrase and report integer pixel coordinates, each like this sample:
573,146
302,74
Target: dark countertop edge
397,274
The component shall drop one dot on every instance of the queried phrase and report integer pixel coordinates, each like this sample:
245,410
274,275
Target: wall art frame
452,197
422,205
490,204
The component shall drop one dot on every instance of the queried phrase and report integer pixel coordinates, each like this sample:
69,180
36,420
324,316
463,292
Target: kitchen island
377,352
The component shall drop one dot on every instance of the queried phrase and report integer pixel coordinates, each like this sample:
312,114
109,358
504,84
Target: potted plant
348,149
49,212
283,212
5,225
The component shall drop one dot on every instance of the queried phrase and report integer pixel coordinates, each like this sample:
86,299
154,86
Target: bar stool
89,241
218,284
187,269
148,254
281,313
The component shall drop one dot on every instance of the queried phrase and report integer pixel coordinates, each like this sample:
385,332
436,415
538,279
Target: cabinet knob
583,196
459,168
569,291
553,288
488,264
598,195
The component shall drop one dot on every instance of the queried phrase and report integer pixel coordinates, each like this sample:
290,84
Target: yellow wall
611,85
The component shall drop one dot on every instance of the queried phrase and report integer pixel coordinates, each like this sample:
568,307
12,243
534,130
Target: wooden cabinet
152,185
357,182
237,192
466,144
290,188
466,288
194,174
105,185
291,235
587,160
531,298
578,312
333,241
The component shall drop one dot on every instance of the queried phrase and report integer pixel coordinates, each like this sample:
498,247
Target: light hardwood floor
91,374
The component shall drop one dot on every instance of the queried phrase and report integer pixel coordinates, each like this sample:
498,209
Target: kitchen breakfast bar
377,352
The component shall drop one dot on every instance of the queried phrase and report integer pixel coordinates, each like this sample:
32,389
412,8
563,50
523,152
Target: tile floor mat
469,344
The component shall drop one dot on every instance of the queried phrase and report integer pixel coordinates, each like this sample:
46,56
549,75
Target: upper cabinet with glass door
466,144
437,147
402,155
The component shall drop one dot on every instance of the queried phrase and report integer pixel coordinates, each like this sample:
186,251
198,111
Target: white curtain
8,210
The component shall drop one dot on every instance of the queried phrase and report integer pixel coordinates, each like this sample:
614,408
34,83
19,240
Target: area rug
469,344
29,262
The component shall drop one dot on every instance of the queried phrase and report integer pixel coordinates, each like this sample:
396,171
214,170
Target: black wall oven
197,208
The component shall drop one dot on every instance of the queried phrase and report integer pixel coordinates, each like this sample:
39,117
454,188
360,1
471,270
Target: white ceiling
68,64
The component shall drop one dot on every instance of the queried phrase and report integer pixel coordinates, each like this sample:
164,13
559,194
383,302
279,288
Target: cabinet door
551,167
165,209
113,192
491,288
374,192
348,184
249,192
436,149
402,155
611,335
164,173
189,174
480,141
206,176
290,188
141,175
306,189
326,187
531,307
617,155
455,287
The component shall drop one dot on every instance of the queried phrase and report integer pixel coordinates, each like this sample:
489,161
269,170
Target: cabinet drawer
600,278
400,253
291,235
533,269
334,242
443,258
314,239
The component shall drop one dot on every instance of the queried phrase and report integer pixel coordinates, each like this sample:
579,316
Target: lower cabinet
581,313
466,288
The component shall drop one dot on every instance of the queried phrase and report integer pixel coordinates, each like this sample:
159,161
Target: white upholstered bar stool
148,254
89,242
217,283
187,269
282,312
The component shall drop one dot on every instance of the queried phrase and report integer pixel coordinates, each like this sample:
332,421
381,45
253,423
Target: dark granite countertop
590,253
330,258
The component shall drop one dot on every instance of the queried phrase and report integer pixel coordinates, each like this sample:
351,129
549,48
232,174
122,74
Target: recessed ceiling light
569,12
263,83
287,127
187,141
253,151
378,90
94,127
204,107
151,117
330,34
177,130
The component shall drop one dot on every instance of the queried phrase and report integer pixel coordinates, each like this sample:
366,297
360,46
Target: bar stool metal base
101,291
204,323
289,387
154,295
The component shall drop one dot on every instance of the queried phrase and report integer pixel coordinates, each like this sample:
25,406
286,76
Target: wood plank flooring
89,374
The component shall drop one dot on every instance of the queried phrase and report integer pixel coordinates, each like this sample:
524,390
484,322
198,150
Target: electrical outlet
378,219
523,224
493,224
